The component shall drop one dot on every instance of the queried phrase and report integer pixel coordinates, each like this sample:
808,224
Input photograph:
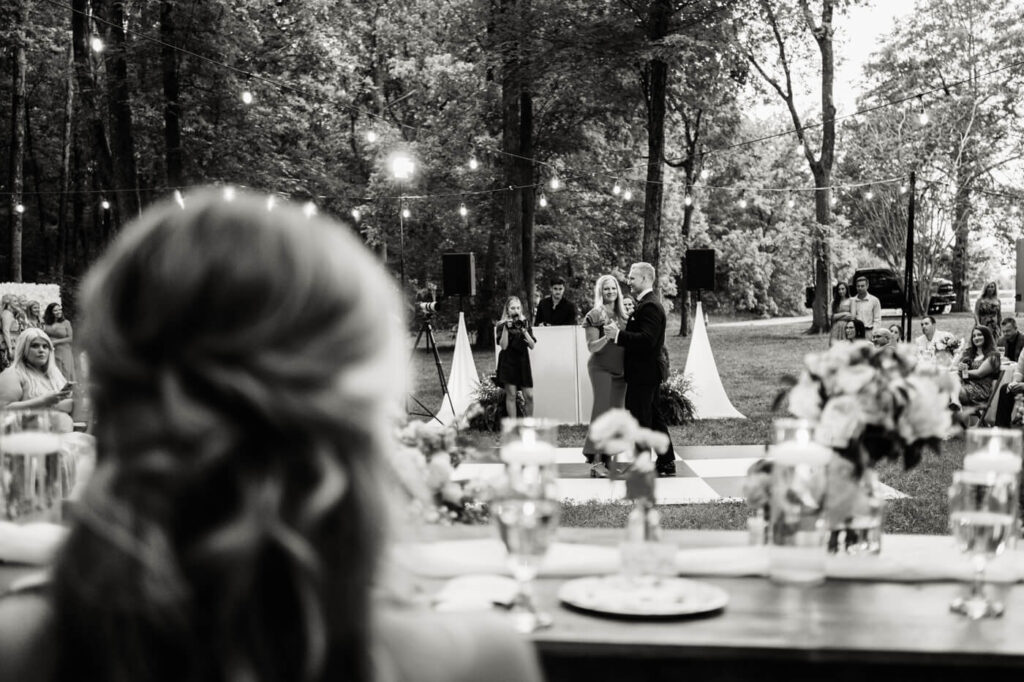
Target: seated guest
234,526
895,334
1011,395
555,310
853,330
980,360
880,337
1012,340
34,380
940,344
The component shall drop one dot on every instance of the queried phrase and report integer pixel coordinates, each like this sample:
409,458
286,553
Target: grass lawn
751,359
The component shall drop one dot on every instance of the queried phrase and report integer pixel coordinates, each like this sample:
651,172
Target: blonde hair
599,297
35,382
504,310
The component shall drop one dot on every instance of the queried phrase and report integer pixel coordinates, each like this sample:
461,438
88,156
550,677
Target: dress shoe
667,470
599,470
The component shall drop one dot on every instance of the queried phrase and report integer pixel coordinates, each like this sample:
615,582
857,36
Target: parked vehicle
883,283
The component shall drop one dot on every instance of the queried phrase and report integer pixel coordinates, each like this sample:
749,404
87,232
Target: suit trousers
640,401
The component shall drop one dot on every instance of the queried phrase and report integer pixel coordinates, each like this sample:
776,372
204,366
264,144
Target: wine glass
526,508
981,518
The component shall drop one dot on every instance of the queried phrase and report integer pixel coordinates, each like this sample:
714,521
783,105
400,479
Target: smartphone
68,387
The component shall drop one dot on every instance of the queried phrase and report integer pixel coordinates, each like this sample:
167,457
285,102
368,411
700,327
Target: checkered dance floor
705,473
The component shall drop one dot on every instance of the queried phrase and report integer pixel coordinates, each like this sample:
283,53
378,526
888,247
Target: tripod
426,330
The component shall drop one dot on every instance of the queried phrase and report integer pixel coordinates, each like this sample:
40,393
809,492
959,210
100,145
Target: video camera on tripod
426,308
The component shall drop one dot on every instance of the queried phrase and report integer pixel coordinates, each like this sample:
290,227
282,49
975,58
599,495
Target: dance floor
705,473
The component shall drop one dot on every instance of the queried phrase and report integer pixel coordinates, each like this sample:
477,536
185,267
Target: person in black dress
515,336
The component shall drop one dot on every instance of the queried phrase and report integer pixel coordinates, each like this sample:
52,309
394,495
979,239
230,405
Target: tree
17,153
787,23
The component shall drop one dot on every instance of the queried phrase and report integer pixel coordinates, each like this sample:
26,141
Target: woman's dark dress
514,361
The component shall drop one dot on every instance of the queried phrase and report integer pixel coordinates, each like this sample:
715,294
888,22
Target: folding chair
980,412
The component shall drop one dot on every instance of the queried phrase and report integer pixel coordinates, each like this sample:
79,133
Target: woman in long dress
842,310
987,309
605,363
58,328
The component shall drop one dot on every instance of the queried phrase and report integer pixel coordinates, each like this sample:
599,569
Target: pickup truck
884,284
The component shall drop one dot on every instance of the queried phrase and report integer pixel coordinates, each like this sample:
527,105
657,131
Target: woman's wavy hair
988,347
599,296
837,299
232,528
504,308
49,317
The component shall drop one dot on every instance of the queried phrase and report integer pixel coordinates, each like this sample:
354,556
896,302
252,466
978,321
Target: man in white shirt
935,341
866,308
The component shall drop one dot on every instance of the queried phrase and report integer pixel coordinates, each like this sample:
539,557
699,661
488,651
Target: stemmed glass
526,509
981,518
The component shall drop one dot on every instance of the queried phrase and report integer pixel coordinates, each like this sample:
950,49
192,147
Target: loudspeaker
700,269
458,274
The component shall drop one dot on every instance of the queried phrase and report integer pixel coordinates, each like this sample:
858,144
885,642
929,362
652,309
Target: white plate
643,597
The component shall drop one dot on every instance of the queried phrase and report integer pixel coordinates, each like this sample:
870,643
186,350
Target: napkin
32,543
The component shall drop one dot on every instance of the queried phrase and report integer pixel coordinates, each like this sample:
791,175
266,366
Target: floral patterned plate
643,597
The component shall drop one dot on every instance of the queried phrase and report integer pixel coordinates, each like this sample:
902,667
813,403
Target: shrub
674,402
491,398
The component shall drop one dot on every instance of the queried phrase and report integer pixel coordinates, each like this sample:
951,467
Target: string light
371,136
271,200
309,208
463,211
105,205
179,198
356,215
554,183
688,200
791,203
903,189
627,195
869,195
246,97
616,189
96,44
406,213
473,163
743,203
922,117
800,148
20,208
543,201
833,201
402,167
705,174
229,193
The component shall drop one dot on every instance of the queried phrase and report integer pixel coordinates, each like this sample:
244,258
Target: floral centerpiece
869,405
424,460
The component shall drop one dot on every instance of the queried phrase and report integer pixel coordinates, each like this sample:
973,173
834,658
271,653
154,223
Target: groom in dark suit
643,340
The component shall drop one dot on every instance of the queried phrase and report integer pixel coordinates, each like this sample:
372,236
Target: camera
426,308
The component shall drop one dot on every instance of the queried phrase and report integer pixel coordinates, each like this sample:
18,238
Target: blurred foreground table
842,630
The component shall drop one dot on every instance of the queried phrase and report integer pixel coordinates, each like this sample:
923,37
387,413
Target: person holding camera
515,336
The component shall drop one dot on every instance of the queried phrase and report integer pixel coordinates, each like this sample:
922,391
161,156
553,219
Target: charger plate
643,597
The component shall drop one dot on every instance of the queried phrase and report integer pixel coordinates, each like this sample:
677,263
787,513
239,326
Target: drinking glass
981,518
526,509
33,479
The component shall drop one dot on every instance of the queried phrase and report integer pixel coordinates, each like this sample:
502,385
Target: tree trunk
119,96
17,159
67,138
961,232
172,103
99,149
529,194
657,81
682,292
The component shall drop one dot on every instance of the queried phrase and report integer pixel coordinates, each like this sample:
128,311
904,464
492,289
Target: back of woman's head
243,364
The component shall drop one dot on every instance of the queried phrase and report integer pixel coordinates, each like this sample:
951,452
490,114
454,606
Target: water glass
982,505
797,528
529,449
34,478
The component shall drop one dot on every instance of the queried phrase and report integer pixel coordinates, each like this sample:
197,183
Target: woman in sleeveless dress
58,328
988,311
842,310
605,363
515,336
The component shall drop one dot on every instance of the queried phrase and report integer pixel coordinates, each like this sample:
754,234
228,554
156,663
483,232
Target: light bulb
869,195
20,208
96,44
543,201
705,174
463,211
923,118
402,167
903,189
743,203
799,149
833,201
406,213
271,200
473,163
616,189
791,203
371,136
627,195
309,208
688,200
246,97
179,198
105,204
555,184
229,193
356,215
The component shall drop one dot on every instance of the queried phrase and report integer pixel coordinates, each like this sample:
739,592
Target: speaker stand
427,331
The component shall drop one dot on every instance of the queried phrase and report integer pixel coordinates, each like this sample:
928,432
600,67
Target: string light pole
402,167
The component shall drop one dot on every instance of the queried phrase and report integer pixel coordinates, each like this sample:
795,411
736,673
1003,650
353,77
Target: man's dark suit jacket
643,338
1012,344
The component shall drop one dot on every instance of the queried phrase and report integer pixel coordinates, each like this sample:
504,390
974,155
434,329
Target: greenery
674,402
491,399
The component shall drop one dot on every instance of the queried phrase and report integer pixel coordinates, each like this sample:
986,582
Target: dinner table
876,618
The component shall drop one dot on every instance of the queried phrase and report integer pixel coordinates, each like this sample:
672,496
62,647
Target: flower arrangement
617,433
872,404
673,400
491,399
947,343
424,460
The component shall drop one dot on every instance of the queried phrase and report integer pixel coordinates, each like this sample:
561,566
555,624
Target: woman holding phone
33,379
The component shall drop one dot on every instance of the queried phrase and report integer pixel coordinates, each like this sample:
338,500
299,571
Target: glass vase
857,510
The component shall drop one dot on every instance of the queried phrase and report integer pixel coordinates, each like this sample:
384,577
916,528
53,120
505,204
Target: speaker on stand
700,270
458,275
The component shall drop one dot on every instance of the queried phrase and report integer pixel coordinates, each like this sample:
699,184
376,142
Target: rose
926,415
615,431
